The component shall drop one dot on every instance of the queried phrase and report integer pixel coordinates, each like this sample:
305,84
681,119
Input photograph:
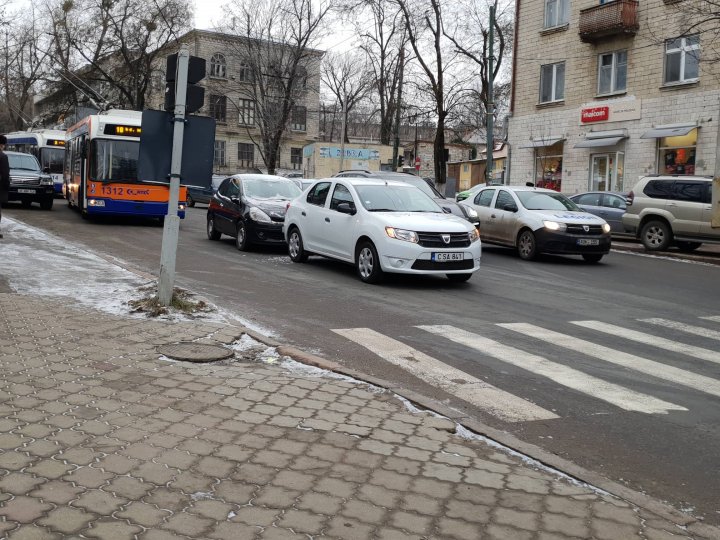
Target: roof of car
254,176
524,188
11,153
368,181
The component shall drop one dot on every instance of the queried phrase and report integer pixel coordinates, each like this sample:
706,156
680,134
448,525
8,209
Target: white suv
380,226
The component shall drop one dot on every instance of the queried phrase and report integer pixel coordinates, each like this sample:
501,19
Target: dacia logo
586,228
446,238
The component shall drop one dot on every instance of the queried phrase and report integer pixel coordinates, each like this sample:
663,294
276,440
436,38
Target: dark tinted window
658,189
340,195
485,197
223,189
708,193
319,193
504,198
233,189
684,190
590,199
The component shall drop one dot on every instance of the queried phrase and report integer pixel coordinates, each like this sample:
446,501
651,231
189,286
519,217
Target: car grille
434,240
426,264
578,229
25,180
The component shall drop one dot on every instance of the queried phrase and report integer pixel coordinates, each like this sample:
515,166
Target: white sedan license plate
588,242
448,257
26,191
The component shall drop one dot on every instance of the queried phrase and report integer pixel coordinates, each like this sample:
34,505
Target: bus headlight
96,202
181,207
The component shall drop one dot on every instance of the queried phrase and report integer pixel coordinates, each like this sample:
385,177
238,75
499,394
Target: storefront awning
668,131
597,143
541,143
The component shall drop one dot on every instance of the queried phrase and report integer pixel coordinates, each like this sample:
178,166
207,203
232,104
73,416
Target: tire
46,204
190,201
527,245
241,239
656,235
593,257
688,246
367,263
296,249
458,278
212,232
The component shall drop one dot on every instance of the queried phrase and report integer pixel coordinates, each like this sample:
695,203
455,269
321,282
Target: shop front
547,161
676,147
607,159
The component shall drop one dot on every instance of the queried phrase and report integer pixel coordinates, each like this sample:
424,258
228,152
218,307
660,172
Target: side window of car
223,189
613,201
233,190
658,189
589,199
503,198
708,193
485,197
689,191
319,193
341,194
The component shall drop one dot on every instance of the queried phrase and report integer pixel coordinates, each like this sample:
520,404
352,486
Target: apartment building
605,92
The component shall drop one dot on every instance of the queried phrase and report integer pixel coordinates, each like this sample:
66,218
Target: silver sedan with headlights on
534,220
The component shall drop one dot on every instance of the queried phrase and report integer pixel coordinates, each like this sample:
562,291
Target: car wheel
656,235
367,263
458,278
212,232
190,201
527,245
592,257
46,204
296,249
688,246
241,240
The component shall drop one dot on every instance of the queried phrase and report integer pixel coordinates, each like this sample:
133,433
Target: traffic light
195,97
401,161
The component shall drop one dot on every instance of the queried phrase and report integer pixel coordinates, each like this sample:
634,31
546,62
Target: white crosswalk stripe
648,339
454,381
612,393
687,328
620,358
713,318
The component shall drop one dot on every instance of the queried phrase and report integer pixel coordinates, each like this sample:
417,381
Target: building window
296,158
246,155
612,72
219,158
218,66
301,74
548,166
299,119
245,74
246,112
552,82
682,59
556,12
218,107
676,155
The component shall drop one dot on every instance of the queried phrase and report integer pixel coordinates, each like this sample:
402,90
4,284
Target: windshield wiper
382,210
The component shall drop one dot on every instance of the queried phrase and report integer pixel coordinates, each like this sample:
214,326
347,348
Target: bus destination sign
56,142
122,130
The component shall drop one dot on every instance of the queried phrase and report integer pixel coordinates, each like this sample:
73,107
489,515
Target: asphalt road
663,438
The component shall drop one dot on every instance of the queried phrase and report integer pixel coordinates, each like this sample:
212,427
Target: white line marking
714,318
623,359
576,380
695,330
481,394
648,339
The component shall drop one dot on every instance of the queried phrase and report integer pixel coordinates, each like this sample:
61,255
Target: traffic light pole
171,230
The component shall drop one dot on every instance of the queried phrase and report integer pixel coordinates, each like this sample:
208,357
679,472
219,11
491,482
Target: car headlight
258,215
606,227
474,235
46,180
555,226
402,234
471,212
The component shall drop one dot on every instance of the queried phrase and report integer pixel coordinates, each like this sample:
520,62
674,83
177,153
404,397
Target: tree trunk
439,151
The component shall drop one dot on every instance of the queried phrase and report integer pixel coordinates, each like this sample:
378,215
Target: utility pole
342,132
490,102
171,229
398,110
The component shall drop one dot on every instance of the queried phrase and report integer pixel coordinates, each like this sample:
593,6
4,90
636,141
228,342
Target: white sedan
380,226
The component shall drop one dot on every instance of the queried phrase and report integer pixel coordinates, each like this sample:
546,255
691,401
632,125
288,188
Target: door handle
327,219
303,213
672,204
492,216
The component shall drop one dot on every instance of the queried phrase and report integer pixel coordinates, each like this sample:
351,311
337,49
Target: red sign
417,163
594,114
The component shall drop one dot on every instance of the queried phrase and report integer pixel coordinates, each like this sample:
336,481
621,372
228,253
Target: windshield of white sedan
270,189
395,199
538,200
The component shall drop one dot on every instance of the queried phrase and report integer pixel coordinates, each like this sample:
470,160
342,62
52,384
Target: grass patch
181,302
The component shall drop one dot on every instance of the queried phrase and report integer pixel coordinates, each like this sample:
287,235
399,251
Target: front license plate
26,191
588,242
447,257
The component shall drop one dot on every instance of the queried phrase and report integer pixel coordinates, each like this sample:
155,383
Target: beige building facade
604,93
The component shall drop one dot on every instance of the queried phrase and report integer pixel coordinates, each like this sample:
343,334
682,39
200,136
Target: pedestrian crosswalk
605,374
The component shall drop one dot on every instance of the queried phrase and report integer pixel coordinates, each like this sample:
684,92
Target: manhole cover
195,352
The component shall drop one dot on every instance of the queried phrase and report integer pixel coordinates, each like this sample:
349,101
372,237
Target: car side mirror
235,199
510,208
447,210
46,170
346,208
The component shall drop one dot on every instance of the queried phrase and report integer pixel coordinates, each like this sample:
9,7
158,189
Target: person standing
4,175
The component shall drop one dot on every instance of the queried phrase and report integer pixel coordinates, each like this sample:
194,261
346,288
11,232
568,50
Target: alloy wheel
365,262
294,244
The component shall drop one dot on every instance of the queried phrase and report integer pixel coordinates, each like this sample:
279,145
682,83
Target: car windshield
270,189
389,198
423,186
540,200
23,162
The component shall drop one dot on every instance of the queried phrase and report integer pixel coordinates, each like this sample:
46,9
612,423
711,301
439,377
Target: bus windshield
52,158
114,161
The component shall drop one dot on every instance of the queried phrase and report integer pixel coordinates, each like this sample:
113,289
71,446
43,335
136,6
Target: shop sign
611,112
363,154
594,114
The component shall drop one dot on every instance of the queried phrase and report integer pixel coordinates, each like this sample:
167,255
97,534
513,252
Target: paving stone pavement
100,437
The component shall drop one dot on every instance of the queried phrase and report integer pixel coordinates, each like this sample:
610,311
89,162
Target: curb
686,257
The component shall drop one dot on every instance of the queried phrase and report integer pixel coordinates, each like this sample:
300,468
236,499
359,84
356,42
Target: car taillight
630,198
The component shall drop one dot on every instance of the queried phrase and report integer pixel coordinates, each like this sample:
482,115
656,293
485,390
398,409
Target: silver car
534,220
609,205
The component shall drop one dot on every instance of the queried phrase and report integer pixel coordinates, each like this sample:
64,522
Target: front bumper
265,233
98,206
36,192
407,258
570,244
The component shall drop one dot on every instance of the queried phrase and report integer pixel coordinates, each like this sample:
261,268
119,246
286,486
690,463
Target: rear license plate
448,257
588,242
26,191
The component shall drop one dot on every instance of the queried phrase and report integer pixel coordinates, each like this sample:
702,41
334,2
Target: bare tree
348,80
276,52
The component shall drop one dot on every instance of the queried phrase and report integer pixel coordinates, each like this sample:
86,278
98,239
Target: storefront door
600,172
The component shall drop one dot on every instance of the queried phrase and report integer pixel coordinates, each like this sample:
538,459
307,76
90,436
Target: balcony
615,18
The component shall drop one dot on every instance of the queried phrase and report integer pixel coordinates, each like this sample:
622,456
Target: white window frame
560,17
242,158
245,74
684,50
246,112
219,156
613,72
218,66
554,97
